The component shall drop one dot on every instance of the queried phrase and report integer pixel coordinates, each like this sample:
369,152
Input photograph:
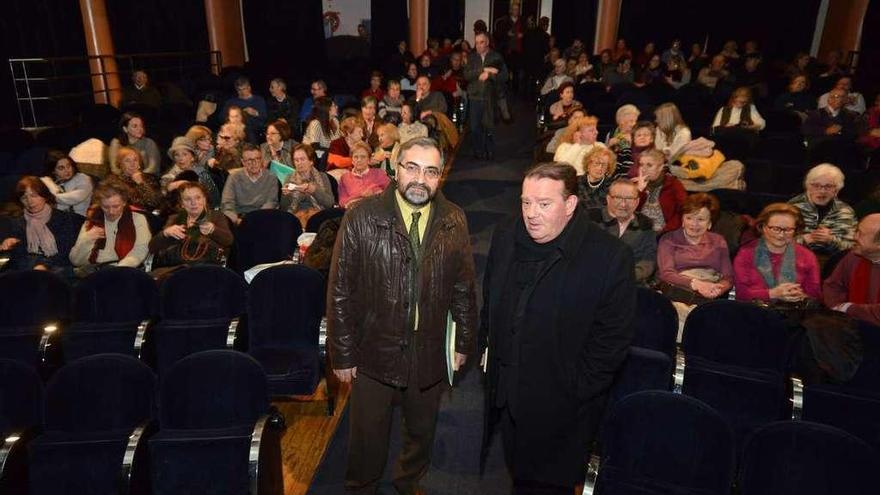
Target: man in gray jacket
485,73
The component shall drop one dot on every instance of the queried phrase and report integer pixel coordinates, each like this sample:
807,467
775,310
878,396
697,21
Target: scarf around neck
787,271
860,284
125,233
40,239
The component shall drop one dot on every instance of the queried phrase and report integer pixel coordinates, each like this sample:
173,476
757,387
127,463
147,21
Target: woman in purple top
692,257
774,267
361,181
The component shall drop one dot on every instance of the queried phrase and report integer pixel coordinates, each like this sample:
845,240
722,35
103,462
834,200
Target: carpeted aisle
488,192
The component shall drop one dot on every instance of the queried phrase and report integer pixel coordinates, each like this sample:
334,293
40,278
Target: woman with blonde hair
145,191
739,112
385,155
351,132
600,165
578,140
201,137
672,132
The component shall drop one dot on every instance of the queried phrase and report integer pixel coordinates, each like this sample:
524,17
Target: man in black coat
559,297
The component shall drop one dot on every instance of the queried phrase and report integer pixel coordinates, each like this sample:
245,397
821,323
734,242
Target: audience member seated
870,138
410,127
729,50
561,110
620,139
385,156
235,116
831,121
369,120
202,138
451,80
713,74
362,181
193,234
351,132
693,264
323,126
677,72
605,66
653,70
307,190
641,60
71,188
145,191
230,139
852,101
249,188
752,76
583,71
578,140
829,223
408,81
389,105
183,153
375,90
427,101
661,195
622,74
643,140
796,98
113,234
132,133
42,237
558,133
672,133
774,267
619,218
673,51
252,106
556,79
621,51
318,89
800,64
141,92
278,143
739,112
427,67
697,58
280,105
854,285
599,165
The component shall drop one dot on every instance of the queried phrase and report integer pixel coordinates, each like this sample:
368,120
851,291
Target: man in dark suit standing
559,297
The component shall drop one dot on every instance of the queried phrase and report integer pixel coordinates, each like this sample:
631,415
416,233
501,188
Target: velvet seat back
660,442
33,298
285,307
82,339
172,340
118,294
266,236
104,392
799,457
21,397
211,390
656,322
202,292
322,216
644,369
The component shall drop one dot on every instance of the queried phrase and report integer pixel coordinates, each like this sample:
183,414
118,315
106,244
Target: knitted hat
181,143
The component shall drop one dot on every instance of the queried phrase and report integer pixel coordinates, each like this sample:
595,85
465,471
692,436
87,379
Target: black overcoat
568,357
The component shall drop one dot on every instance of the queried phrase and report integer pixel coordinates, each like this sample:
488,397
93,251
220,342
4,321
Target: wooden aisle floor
308,434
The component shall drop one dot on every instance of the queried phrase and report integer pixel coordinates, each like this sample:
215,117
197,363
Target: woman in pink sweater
775,267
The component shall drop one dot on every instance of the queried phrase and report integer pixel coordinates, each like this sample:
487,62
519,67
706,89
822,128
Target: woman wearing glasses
774,267
829,223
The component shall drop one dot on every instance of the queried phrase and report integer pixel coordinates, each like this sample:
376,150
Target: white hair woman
829,223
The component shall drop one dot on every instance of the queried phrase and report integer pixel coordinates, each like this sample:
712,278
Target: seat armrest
141,336
232,332
797,397
48,339
254,453
592,474
9,443
133,473
678,377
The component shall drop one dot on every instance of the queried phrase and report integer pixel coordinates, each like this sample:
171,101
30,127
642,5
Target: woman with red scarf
113,234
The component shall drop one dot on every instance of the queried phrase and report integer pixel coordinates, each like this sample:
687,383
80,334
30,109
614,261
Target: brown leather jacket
368,305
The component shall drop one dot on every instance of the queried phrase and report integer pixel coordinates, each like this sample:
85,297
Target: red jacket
671,198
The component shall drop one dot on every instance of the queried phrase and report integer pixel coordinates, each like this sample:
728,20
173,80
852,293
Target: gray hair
280,82
822,170
422,142
627,109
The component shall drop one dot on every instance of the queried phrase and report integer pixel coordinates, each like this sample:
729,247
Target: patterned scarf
787,272
40,239
125,233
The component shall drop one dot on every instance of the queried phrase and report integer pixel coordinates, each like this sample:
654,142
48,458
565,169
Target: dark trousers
521,486
370,411
483,141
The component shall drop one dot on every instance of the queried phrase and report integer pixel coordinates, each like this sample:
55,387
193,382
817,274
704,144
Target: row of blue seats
105,424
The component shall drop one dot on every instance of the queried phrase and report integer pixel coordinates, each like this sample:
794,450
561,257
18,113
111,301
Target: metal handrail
37,79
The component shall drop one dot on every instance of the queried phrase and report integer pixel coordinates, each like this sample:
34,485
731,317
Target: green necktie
414,233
